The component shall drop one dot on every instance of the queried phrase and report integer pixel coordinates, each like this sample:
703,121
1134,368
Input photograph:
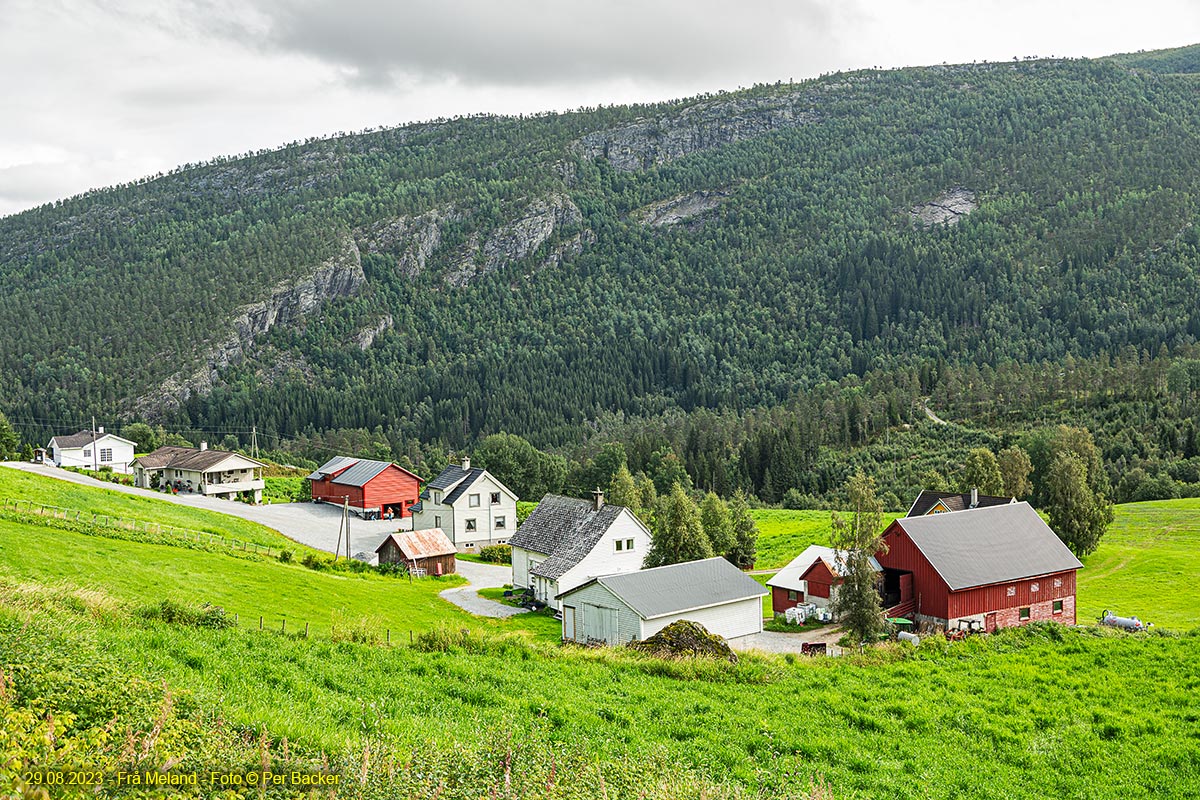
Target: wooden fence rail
135,525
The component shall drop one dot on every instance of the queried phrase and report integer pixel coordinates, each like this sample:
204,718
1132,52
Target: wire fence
135,525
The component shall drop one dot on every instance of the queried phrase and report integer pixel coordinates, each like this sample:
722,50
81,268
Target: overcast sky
97,92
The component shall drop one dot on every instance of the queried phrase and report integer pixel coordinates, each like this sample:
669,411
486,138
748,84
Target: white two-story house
470,506
92,450
566,542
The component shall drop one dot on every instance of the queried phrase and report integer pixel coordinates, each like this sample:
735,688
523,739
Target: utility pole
346,516
337,551
254,441
95,455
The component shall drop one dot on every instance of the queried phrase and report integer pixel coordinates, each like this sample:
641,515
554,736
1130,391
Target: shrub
314,561
496,554
204,616
286,556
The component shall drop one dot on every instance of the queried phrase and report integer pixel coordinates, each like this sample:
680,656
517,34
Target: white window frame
473,500
495,498
87,452
106,455
498,523
471,526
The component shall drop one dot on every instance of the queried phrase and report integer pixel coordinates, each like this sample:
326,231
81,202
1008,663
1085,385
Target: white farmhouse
92,451
616,609
566,542
469,505
215,473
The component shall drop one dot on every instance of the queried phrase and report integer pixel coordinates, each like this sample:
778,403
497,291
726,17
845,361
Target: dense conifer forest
759,289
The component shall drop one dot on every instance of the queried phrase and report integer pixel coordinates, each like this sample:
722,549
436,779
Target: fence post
260,622
283,627
306,630
389,636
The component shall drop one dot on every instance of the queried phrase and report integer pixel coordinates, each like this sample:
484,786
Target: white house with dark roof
92,450
470,506
616,609
931,502
566,542
215,473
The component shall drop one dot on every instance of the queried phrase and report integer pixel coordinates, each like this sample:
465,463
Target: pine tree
9,441
678,533
856,601
745,533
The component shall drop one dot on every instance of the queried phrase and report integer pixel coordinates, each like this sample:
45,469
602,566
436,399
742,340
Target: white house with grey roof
92,450
471,507
214,473
615,609
566,542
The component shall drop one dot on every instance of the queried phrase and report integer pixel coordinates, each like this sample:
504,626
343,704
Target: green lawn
1148,564
40,489
783,534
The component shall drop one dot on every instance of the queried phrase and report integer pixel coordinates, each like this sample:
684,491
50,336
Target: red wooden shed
373,488
427,549
999,566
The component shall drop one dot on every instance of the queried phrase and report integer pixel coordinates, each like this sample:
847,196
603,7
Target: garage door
600,623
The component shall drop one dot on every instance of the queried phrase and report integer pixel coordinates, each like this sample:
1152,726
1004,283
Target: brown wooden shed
427,549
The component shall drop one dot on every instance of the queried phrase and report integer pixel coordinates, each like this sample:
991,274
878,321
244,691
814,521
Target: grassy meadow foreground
497,709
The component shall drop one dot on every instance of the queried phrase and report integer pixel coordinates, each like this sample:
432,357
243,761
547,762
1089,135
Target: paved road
313,524
481,576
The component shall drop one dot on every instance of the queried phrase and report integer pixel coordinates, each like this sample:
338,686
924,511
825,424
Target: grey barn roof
361,472
565,530
954,501
989,545
331,466
680,587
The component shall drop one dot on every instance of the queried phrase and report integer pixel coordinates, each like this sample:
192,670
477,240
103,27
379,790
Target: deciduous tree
856,601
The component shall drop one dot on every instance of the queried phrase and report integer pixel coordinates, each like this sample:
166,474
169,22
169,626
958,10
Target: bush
314,561
205,616
286,556
496,554
392,568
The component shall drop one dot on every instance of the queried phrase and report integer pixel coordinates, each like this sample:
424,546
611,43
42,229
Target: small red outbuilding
372,488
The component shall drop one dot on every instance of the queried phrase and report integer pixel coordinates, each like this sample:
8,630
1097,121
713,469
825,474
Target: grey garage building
616,609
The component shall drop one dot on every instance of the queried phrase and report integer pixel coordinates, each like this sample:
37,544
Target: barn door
568,614
599,623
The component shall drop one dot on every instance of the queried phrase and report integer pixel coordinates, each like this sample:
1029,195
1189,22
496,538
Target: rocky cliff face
647,143
683,208
414,240
516,240
367,336
946,209
288,304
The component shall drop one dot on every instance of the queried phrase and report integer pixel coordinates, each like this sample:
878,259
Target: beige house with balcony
214,473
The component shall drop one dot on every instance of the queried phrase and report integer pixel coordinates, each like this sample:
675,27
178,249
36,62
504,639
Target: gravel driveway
481,576
773,642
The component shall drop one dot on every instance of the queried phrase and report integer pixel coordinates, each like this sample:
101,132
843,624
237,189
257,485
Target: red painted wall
819,578
392,486
934,598
780,602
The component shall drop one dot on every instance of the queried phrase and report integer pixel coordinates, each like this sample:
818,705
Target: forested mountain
737,251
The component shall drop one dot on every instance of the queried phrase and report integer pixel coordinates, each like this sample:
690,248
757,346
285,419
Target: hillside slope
451,279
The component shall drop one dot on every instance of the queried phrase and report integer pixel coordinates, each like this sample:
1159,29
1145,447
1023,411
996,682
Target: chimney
100,430
597,499
203,446
974,496
466,463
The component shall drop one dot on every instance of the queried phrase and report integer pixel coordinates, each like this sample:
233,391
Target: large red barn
372,488
999,566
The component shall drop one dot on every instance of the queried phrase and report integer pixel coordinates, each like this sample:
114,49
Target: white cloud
98,92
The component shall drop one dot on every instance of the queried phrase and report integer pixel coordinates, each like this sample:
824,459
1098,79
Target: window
470,525
106,454
629,544
473,501
437,497
1058,606
1012,591
791,594
1033,587
1058,583
469,545
437,521
1024,613
499,523
624,544
87,452
495,498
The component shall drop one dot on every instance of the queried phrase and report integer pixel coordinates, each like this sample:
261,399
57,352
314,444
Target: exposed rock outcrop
647,143
679,209
367,336
945,209
516,240
413,240
288,304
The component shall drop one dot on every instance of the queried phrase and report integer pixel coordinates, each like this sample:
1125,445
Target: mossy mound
686,639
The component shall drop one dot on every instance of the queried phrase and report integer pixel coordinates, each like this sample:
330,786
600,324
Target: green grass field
15,484
1148,564
783,534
